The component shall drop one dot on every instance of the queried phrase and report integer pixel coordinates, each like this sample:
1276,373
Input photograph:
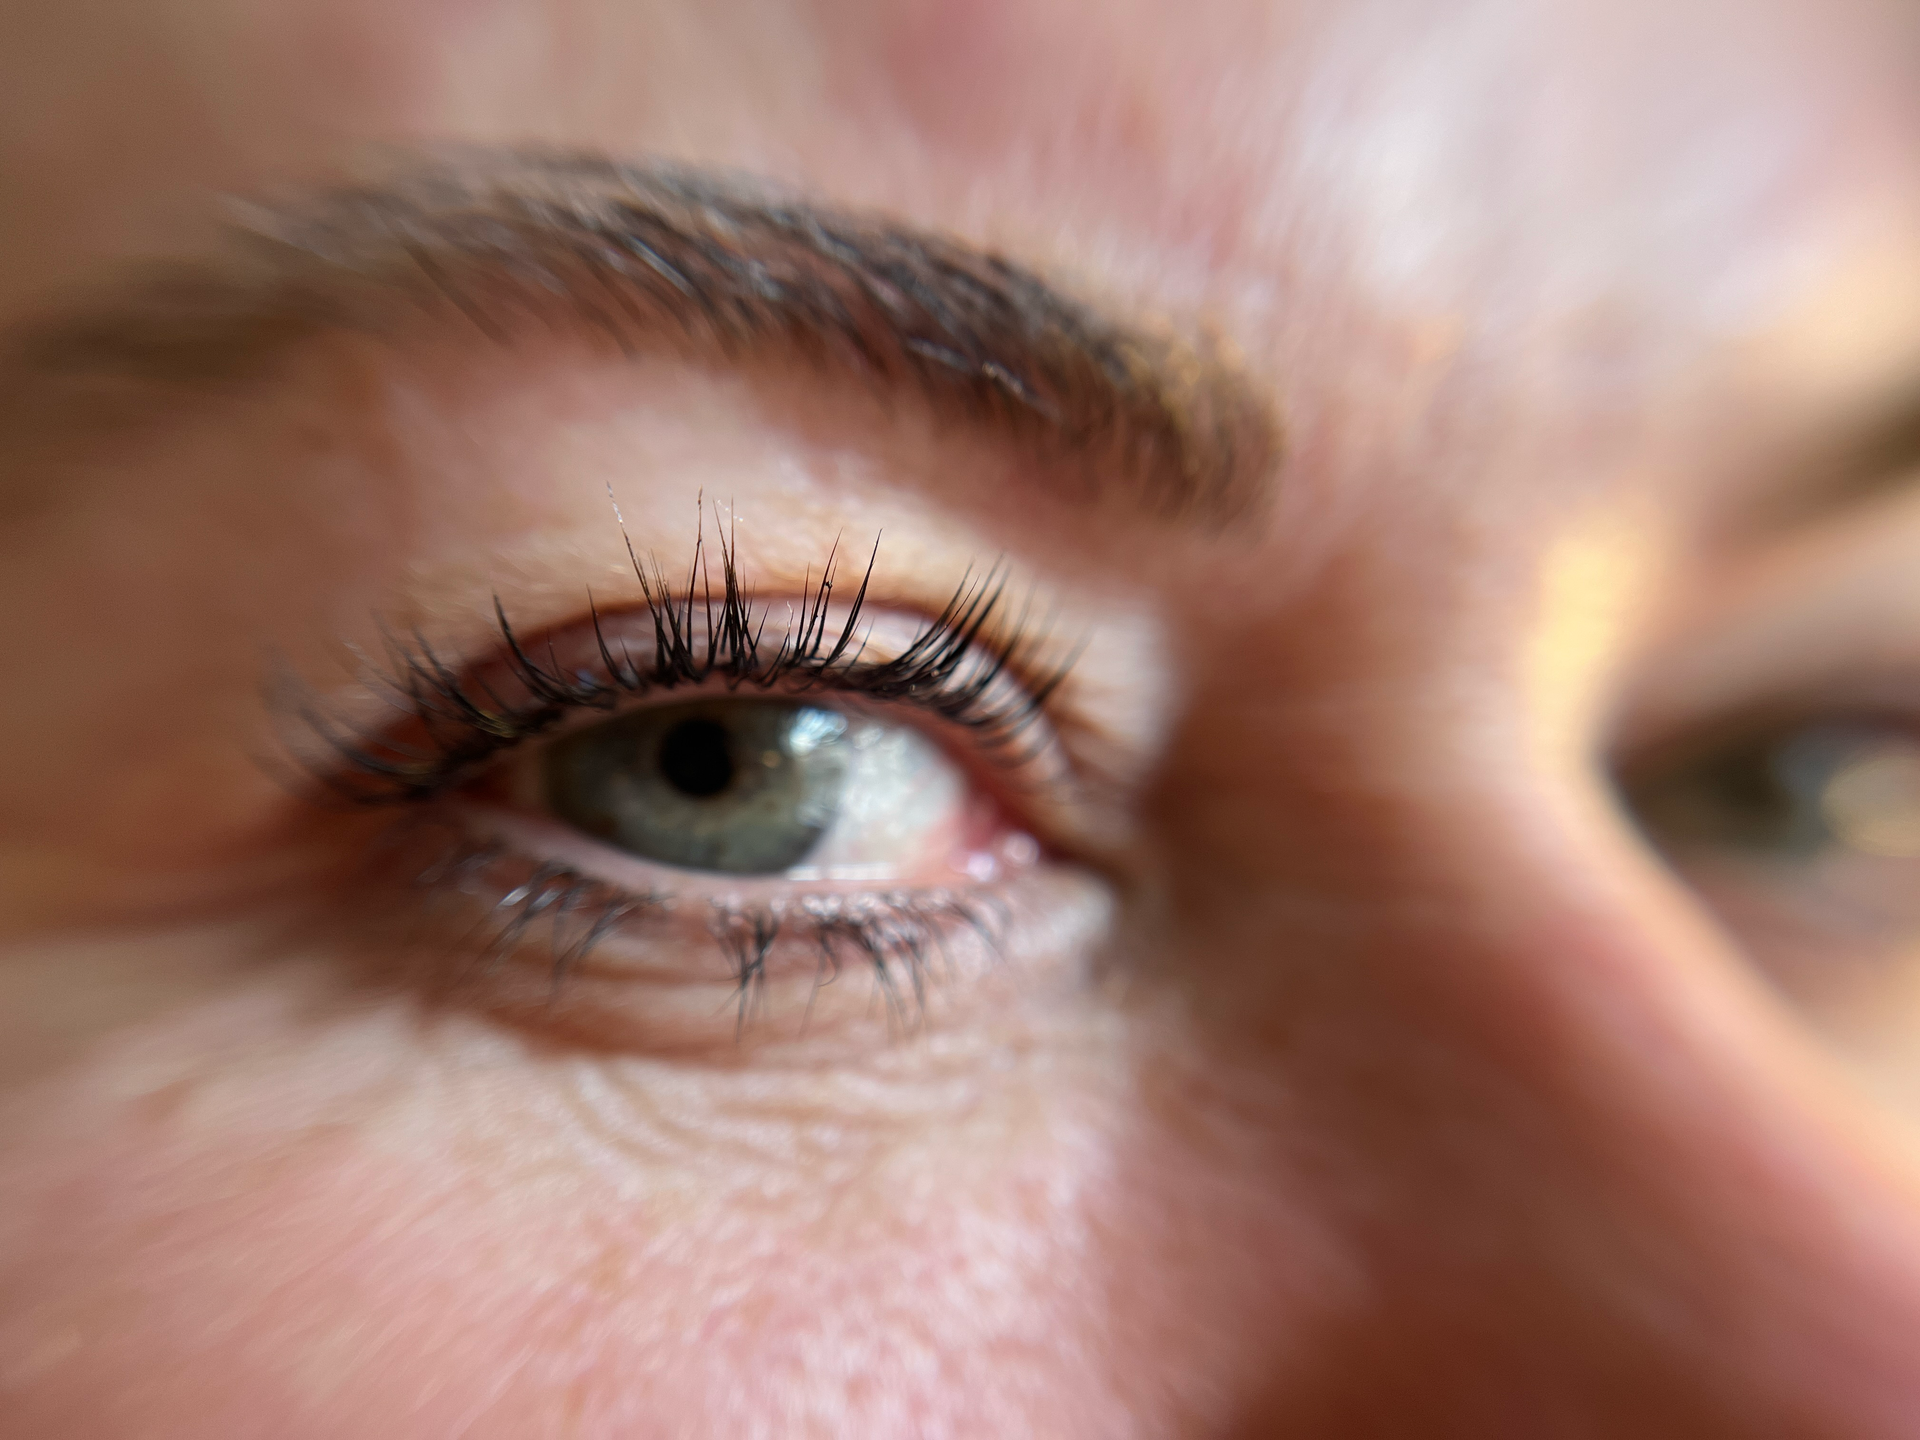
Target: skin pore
1342,1060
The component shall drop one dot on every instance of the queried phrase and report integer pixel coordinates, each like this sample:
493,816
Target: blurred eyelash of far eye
457,719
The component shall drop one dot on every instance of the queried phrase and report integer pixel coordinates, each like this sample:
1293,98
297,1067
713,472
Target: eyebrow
719,267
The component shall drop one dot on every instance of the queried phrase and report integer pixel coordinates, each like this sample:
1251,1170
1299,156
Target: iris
741,786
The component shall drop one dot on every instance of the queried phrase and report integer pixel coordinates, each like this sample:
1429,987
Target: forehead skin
1520,277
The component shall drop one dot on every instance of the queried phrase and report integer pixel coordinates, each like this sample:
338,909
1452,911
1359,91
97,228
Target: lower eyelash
903,938
899,935
581,910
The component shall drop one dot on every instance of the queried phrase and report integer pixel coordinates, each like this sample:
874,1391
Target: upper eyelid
963,663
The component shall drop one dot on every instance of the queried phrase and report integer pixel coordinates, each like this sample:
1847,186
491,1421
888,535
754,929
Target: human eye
1803,831
1815,793
720,798
1782,786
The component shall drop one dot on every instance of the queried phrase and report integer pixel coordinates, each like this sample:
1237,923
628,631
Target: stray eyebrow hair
715,265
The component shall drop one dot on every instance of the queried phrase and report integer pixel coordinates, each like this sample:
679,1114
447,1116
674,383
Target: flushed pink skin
1419,1102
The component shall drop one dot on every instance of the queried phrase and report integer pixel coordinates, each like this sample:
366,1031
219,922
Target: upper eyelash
461,722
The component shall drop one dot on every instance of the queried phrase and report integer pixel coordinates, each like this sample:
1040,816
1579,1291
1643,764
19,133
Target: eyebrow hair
718,266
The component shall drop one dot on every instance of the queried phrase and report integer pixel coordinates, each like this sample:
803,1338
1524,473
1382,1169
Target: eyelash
900,935
458,723
949,671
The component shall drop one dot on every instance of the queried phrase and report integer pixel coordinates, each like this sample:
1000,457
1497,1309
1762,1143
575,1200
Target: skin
1371,1075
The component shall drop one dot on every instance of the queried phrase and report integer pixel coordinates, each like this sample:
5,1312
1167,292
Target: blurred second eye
1805,841
1802,793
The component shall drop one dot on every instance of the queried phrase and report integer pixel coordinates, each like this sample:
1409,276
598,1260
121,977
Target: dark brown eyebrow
721,267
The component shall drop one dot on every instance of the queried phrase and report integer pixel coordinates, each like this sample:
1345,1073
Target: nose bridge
1588,1166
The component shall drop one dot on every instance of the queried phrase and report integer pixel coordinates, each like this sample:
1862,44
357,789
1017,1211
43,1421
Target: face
1043,719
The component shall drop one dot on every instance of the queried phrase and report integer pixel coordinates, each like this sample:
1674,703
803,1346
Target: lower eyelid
492,929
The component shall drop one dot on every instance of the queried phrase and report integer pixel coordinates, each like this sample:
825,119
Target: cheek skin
288,1212
274,1214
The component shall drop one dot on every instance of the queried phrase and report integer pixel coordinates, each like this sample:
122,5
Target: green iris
743,786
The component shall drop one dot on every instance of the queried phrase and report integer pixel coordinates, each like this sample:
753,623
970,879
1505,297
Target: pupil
695,758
